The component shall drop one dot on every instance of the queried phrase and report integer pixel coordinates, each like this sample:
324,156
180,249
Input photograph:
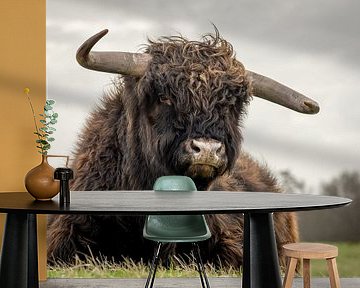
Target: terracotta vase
40,183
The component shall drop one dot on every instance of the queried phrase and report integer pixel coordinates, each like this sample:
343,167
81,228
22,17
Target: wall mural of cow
176,108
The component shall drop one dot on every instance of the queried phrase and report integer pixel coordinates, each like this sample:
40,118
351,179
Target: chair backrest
174,183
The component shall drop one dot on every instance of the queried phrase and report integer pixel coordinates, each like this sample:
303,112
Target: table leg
19,262
261,264
33,268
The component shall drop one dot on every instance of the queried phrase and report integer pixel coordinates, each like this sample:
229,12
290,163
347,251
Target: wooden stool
307,251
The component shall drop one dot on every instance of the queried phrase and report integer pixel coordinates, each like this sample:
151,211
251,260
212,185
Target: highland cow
177,108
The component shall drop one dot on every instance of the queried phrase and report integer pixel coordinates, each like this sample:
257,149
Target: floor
220,282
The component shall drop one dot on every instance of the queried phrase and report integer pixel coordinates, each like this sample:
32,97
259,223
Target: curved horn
273,91
124,63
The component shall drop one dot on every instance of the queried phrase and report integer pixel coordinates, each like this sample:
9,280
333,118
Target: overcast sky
311,46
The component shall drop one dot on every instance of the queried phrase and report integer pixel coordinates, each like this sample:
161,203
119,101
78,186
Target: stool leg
290,272
306,273
333,273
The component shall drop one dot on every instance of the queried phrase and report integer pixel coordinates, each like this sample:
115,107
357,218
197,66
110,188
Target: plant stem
36,127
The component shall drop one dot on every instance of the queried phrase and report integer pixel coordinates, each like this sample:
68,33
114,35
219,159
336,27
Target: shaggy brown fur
190,90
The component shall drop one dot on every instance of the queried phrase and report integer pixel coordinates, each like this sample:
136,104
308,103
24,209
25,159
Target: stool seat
310,250
306,251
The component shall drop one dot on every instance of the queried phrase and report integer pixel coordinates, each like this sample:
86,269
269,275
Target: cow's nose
205,147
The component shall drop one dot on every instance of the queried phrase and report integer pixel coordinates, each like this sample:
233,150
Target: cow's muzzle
203,158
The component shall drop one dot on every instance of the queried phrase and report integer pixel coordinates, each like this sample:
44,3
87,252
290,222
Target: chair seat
177,228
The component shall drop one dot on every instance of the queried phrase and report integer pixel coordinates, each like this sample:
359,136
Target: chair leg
333,273
203,278
152,272
306,273
290,272
198,265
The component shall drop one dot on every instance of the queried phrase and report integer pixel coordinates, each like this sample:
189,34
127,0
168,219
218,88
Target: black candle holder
64,175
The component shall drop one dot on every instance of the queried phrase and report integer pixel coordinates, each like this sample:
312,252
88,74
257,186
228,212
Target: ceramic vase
40,183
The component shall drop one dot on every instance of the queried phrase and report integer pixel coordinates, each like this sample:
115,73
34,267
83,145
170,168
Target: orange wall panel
22,64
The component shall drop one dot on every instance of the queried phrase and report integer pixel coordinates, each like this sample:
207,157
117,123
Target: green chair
176,228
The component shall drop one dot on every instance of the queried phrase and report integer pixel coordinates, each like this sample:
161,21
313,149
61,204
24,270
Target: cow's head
194,94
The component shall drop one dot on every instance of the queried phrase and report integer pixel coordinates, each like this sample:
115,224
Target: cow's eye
165,100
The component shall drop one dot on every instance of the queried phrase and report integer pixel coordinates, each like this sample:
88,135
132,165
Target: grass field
348,263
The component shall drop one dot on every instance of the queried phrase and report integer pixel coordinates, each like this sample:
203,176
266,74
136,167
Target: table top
150,202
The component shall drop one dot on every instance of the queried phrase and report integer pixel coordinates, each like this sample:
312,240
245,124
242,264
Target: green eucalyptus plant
47,120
